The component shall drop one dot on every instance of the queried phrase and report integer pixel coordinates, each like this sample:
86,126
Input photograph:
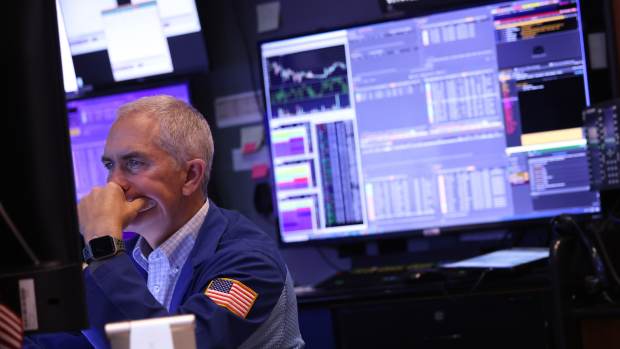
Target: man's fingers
114,186
137,204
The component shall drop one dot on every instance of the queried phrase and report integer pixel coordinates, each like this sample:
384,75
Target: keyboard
382,276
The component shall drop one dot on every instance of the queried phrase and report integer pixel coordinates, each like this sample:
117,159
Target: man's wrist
116,232
100,248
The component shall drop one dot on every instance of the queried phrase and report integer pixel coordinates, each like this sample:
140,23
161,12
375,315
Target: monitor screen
164,37
455,119
90,120
68,71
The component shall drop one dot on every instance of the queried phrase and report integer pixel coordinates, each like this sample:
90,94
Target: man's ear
195,173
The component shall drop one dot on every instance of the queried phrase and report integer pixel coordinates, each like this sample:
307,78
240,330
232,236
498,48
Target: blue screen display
458,118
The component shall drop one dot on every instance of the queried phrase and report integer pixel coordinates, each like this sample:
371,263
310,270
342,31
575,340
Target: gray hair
183,131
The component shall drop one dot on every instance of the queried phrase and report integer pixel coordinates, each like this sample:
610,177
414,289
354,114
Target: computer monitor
113,41
448,121
41,263
90,120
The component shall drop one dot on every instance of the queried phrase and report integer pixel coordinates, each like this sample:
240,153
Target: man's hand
106,211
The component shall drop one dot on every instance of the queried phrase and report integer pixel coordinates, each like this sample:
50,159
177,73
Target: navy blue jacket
228,245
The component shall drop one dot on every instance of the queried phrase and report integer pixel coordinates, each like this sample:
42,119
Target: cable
454,297
603,252
479,281
592,251
604,270
18,235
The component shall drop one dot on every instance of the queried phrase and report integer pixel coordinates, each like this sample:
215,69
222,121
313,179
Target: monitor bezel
133,87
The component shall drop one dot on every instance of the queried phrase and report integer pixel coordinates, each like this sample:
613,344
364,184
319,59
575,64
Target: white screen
68,71
85,28
502,259
84,24
142,51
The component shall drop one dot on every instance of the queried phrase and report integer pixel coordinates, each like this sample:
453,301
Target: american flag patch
232,295
11,329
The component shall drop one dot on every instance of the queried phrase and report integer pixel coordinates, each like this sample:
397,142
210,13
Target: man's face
143,169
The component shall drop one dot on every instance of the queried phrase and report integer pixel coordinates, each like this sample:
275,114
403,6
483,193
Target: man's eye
134,164
107,165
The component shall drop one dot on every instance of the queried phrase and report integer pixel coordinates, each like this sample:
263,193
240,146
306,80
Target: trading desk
471,310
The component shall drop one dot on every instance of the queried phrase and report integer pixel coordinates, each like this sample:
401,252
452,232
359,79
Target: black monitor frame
37,191
423,9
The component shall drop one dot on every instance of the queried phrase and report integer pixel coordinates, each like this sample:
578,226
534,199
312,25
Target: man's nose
116,175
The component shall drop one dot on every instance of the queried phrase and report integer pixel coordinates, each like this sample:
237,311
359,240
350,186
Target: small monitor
165,38
170,332
451,120
90,120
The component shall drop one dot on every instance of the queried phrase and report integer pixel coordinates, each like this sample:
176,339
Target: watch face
102,247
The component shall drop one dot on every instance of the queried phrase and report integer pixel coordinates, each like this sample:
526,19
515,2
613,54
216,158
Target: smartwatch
102,247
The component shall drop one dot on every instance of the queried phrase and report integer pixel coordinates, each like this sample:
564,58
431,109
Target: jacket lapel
206,244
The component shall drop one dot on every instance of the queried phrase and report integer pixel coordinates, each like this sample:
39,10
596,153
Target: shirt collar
170,247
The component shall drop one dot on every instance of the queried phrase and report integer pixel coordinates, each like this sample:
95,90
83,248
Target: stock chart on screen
458,118
308,82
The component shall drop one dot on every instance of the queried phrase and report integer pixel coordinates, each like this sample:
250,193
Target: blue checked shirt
163,264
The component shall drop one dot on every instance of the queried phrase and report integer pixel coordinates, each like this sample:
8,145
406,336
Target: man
190,256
